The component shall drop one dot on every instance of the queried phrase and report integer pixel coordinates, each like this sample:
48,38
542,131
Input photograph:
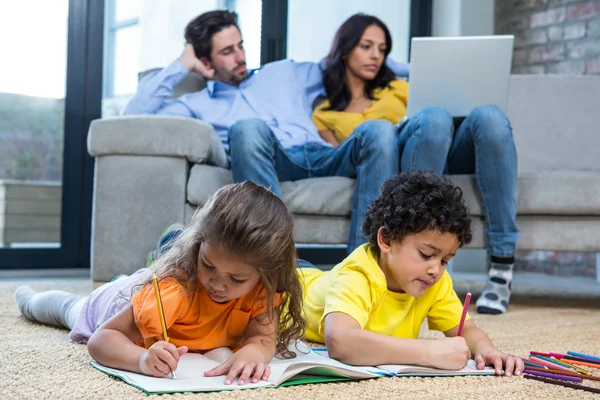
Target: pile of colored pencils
562,369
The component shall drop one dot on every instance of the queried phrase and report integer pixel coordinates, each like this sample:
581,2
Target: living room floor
39,362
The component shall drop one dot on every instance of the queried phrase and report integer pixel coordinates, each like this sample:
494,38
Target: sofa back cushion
556,121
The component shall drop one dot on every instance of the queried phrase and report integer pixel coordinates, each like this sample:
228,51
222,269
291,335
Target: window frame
82,105
111,27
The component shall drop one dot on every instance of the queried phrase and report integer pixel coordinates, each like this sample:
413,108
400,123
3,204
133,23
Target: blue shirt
280,93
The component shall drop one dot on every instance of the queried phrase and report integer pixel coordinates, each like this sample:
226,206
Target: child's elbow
337,345
93,346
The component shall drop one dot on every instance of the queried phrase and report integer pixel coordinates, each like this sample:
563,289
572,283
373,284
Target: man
263,116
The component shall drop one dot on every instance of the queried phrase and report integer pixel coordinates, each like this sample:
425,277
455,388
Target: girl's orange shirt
194,319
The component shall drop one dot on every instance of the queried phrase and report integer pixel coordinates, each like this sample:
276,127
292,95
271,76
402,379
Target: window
249,20
50,90
313,23
122,47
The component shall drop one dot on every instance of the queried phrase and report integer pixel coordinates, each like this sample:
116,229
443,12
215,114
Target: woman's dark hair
200,30
346,39
412,202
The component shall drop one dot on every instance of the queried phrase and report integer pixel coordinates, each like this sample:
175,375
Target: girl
368,310
225,281
360,87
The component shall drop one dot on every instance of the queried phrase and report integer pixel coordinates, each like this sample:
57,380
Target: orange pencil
584,363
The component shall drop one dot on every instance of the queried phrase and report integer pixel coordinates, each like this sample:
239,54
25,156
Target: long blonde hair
251,222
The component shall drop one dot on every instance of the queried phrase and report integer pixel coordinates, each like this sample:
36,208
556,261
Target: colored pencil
537,363
549,364
538,353
464,314
566,364
530,364
557,355
568,373
549,359
555,376
587,364
562,383
574,353
161,314
587,360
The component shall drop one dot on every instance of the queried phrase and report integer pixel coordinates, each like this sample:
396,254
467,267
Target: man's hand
248,361
192,63
448,353
489,355
161,359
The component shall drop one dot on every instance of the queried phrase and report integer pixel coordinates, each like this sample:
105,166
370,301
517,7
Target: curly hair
249,221
412,202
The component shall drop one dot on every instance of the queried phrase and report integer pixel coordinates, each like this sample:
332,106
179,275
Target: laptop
459,73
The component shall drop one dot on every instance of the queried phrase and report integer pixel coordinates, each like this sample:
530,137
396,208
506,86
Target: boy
368,309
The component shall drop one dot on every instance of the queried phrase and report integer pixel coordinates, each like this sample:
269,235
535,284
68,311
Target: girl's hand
161,359
248,362
448,353
489,355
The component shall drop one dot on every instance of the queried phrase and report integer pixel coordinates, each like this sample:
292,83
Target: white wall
446,18
162,23
463,17
477,17
312,25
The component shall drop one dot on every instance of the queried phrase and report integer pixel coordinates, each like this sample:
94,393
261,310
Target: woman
360,87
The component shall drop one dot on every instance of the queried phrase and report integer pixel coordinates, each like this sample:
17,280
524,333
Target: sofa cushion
157,135
545,193
331,196
555,121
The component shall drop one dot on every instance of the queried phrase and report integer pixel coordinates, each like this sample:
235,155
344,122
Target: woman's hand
248,363
161,359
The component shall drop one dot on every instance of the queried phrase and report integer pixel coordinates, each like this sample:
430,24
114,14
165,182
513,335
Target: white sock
496,294
51,308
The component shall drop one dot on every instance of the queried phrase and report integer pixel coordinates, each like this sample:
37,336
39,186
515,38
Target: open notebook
308,367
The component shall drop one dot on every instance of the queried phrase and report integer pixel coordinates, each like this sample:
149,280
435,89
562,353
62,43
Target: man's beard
236,79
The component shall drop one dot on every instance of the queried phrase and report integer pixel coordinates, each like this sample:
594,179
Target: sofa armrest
157,135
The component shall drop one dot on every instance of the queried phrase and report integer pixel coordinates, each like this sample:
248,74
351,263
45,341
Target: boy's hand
248,361
192,63
489,355
448,353
161,359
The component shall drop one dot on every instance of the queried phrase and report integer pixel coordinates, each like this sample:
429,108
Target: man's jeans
483,145
369,154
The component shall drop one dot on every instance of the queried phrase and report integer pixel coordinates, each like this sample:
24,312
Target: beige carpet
38,362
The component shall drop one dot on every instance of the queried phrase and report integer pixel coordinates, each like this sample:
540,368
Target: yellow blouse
389,104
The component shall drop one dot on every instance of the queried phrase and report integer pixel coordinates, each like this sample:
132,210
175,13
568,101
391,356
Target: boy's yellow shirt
357,287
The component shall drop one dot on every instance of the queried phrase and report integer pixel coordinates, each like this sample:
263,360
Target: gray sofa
151,171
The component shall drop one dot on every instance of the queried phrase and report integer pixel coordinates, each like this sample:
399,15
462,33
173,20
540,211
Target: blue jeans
369,154
483,145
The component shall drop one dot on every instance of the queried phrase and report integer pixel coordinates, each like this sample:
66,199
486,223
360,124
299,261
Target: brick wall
552,36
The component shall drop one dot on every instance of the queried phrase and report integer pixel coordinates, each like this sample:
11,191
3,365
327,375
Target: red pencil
464,314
